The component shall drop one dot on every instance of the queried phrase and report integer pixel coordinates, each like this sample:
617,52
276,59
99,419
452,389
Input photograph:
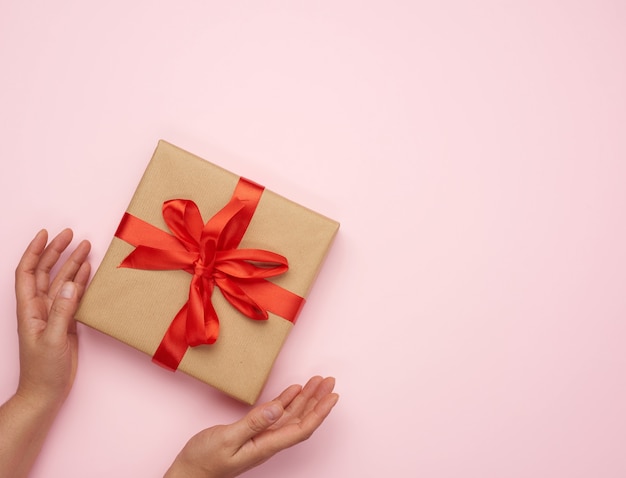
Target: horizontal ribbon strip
209,252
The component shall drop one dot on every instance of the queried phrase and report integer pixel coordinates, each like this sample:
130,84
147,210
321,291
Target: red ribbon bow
209,252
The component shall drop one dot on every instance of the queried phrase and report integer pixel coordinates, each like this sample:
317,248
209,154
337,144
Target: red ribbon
209,252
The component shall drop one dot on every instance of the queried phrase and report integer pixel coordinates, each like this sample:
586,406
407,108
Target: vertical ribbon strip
209,252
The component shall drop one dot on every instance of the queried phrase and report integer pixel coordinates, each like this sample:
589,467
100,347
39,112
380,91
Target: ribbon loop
250,263
183,218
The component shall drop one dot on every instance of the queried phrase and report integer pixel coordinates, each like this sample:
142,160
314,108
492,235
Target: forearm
24,424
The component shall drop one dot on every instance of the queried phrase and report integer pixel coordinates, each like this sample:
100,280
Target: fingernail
67,291
273,412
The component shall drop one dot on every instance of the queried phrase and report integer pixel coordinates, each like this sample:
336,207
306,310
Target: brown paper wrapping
137,306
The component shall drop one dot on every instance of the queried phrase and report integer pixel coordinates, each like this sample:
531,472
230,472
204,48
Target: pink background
473,306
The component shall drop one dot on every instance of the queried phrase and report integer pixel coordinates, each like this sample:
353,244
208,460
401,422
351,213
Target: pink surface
473,306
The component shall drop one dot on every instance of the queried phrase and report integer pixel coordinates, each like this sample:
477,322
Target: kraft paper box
137,306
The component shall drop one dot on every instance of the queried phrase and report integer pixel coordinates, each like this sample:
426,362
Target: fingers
264,416
61,317
81,278
32,275
288,395
70,269
314,389
321,390
49,258
25,284
256,421
306,413
314,418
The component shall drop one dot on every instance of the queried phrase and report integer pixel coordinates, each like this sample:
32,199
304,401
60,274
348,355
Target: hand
45,316
226,451
48,347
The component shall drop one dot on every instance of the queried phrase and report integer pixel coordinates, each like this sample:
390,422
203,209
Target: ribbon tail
202,324
172,348
184,332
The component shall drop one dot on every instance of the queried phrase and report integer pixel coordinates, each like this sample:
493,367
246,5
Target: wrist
24,423
36,401
182,468
178,470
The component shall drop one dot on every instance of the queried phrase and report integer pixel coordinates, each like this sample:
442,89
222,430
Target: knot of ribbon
209,252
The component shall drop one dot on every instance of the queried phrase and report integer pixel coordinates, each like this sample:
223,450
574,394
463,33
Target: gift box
207,271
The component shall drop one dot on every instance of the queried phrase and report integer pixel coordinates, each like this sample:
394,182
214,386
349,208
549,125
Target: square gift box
207,272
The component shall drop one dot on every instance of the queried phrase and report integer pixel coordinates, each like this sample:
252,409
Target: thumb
257,420
62,310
